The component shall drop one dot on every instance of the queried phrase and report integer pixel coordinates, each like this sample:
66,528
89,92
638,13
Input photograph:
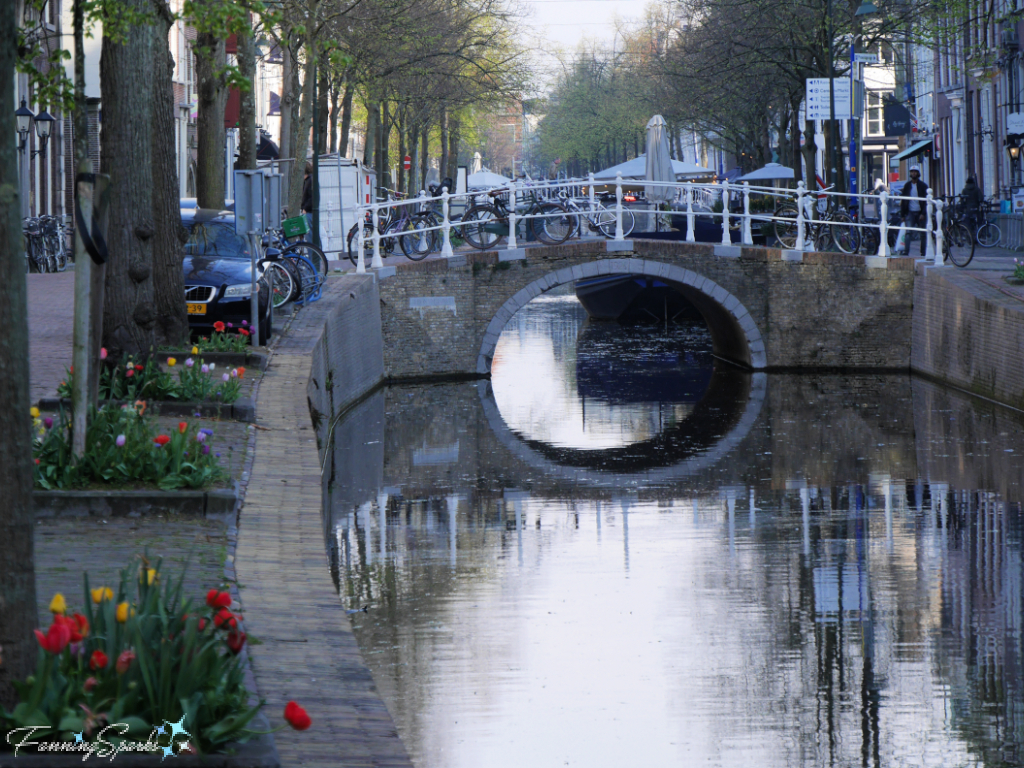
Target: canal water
619,551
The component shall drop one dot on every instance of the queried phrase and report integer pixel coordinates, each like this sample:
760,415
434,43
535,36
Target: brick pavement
303,649
51,309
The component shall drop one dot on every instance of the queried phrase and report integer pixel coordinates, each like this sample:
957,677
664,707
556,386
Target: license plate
197,309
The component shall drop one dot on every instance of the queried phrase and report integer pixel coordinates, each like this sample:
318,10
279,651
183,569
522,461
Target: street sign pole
831,99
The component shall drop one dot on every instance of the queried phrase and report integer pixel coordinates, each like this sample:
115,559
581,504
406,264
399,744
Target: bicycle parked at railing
988,234
285,239
599,219
484,226
45,244
405,224
958,239
834,225
305,278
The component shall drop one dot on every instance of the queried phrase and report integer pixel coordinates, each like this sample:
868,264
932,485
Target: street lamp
1013,150
25,117
44,126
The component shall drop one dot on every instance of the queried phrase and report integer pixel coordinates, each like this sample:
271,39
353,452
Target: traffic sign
818,103
865,58
407,163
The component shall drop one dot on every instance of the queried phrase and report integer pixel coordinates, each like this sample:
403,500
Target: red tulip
56,638
182,426
98,660
296,716
129,373
139,367
124,661
225,619
89,684
202,624
243,332
79,626
216,599
219,326
235,641
161,439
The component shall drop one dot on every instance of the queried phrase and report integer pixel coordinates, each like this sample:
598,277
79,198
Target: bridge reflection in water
841,584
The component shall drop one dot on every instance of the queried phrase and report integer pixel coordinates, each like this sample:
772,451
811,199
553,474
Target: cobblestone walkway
304,649
51,310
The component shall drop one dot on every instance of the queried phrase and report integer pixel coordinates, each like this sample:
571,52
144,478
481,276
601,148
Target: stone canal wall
348,357
441,317
969,332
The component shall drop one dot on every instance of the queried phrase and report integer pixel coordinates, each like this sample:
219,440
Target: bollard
618,207
929,253
446,226
883,224
940,243
691,220
361,238
726,240
376,262
513,220
800,189
748,236
590,196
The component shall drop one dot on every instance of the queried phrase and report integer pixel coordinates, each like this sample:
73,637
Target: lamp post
44,127
865,9
1013,150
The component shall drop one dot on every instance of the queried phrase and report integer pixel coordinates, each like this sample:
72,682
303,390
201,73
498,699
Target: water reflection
841,586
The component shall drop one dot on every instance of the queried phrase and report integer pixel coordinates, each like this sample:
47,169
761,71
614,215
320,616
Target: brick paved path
305,650
51,309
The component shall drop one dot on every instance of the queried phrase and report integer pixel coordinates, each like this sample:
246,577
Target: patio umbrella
770,172
485,179
636,169
659,162
478,163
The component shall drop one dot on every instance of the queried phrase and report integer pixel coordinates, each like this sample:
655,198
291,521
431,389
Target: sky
565,23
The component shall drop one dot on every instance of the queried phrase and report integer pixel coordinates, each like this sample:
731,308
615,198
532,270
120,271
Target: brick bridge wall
442,317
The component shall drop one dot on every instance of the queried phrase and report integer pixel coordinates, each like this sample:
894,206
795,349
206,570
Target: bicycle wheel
353,244
989,234
844,234
785,230
311,253
280,281
309,278
482,227
823,239
417,241
958,244
555,227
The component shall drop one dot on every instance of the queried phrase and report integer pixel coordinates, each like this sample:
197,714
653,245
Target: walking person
913,210
307,195
971,198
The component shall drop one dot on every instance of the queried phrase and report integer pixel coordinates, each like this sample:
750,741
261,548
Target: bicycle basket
295,227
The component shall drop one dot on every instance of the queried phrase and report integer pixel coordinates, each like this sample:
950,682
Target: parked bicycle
597,219
833,227
484,226
958,239
45,244
988,234
405,224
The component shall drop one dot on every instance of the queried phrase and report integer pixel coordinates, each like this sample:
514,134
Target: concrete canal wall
968,331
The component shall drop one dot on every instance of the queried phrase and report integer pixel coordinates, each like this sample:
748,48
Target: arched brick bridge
766,308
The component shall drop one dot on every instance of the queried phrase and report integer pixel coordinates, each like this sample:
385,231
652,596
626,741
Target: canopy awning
909,152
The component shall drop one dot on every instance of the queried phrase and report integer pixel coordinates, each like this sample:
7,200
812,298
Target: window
875,113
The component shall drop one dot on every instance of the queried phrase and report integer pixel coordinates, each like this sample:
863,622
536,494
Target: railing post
940,245
590,196
726,239
361,239
376,262
446,226
618,207
691,219
748,236
929,233
883,224
513,220
800,189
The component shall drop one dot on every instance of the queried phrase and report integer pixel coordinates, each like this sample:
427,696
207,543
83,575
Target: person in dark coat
971,198
913,211
307,194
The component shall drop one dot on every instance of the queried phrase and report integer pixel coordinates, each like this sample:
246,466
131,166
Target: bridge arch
734,334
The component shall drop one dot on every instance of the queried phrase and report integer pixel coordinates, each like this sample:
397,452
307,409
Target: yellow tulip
57,605
171,361
102,593
195,350
122,612
33,412
150,575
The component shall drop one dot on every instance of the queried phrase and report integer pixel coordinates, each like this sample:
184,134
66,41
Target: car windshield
215,239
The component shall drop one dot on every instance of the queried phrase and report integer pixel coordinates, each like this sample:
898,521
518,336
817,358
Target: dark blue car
218,273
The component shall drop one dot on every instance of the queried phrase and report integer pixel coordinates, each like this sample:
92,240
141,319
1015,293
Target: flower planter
1013,280
230,359
125,503
243,409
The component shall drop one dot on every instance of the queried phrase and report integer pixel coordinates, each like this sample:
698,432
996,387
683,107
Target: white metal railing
697,197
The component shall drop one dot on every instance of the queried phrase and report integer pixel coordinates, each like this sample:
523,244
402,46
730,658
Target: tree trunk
211,60
402,175
301,138
452,171
335,99
424,154
287,99
810,152
414,155
443,164
322,113
17,519
385,146
346,118
168,280
248,141
370,145
126,80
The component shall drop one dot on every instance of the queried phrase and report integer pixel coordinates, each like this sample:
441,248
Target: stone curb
243,410
117,503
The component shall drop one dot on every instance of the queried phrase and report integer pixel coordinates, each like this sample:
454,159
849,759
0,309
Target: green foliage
1018,269
133,381
222,342
182,459
161,665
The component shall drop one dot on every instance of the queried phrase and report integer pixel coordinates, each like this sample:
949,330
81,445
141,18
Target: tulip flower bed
224,340
141,659
196,381
123,448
